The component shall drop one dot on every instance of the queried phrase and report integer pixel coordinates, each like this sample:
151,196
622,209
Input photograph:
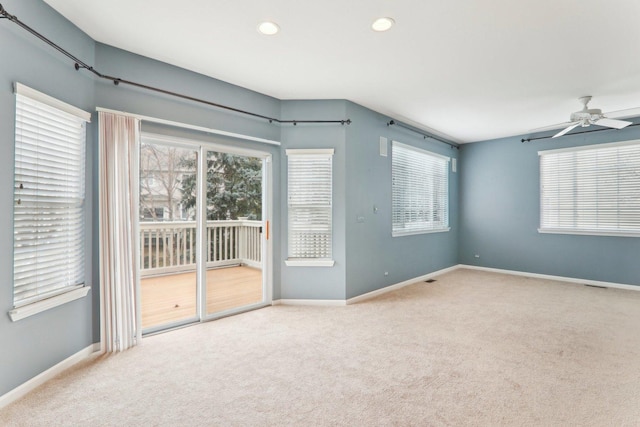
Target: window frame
396,178
34,304
299,261
547,228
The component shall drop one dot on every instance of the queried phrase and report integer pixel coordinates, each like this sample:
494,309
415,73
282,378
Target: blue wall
493,198
34,344
326,283
371,250
500,205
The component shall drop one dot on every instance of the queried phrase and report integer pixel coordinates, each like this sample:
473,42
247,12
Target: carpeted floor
472,348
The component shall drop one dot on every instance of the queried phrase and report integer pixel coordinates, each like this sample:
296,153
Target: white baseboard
391,288
45,376
316,302
368,295
397,286
556,278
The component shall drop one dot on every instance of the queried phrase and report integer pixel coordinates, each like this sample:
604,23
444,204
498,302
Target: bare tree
160,179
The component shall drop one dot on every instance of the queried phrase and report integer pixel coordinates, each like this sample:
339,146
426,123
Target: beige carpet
473,348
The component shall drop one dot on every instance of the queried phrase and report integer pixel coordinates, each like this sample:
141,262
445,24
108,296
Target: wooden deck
172,298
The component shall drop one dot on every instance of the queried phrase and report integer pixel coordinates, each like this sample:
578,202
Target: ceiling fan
590,116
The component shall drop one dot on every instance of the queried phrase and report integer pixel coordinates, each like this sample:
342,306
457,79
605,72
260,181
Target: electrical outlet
386,273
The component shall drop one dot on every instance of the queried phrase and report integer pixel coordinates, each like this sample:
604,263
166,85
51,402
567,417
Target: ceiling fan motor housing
587,116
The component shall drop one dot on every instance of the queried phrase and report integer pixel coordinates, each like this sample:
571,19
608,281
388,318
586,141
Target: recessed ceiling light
268,28
382,24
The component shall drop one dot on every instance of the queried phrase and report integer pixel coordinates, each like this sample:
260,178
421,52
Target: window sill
45,304
414,232
588,232
309,262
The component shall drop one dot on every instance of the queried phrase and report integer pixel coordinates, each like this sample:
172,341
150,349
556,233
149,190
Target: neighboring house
162,171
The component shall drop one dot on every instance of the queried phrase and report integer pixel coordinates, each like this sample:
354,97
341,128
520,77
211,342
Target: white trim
368,295
419,150
309,151
267,215
414,232
45,304
311,262
391,288
23,90
233,311
188,126
397,286
590,147
583,232
556,278
35,382
311,302
191,143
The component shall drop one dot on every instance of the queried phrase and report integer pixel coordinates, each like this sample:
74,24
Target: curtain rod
523,140
424,135
188,126
116,80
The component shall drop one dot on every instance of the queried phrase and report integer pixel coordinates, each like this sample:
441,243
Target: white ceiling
469,70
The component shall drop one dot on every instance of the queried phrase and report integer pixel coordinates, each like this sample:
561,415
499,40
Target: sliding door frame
202,147
265,243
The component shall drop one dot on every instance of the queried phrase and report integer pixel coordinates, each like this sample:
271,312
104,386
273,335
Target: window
310,207
49,199
420,191
591,189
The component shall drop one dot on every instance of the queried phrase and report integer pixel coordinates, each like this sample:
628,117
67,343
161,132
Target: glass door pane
234,227
168,189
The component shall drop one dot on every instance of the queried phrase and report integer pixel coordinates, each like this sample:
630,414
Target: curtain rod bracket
6,15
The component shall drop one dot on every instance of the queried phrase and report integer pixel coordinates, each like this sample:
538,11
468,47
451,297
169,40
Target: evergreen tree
234,187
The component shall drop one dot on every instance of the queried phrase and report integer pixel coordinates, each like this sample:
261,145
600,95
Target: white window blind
49,197
310,203
420,190
591,189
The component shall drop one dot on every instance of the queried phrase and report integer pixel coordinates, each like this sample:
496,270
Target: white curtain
119,144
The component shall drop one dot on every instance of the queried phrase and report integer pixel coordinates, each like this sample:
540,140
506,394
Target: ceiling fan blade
611,123
569,129
551,127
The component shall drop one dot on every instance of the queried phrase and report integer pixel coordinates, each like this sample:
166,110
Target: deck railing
170,247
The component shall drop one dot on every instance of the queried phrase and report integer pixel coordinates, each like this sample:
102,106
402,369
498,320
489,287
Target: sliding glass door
168,235
234,233
203,232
